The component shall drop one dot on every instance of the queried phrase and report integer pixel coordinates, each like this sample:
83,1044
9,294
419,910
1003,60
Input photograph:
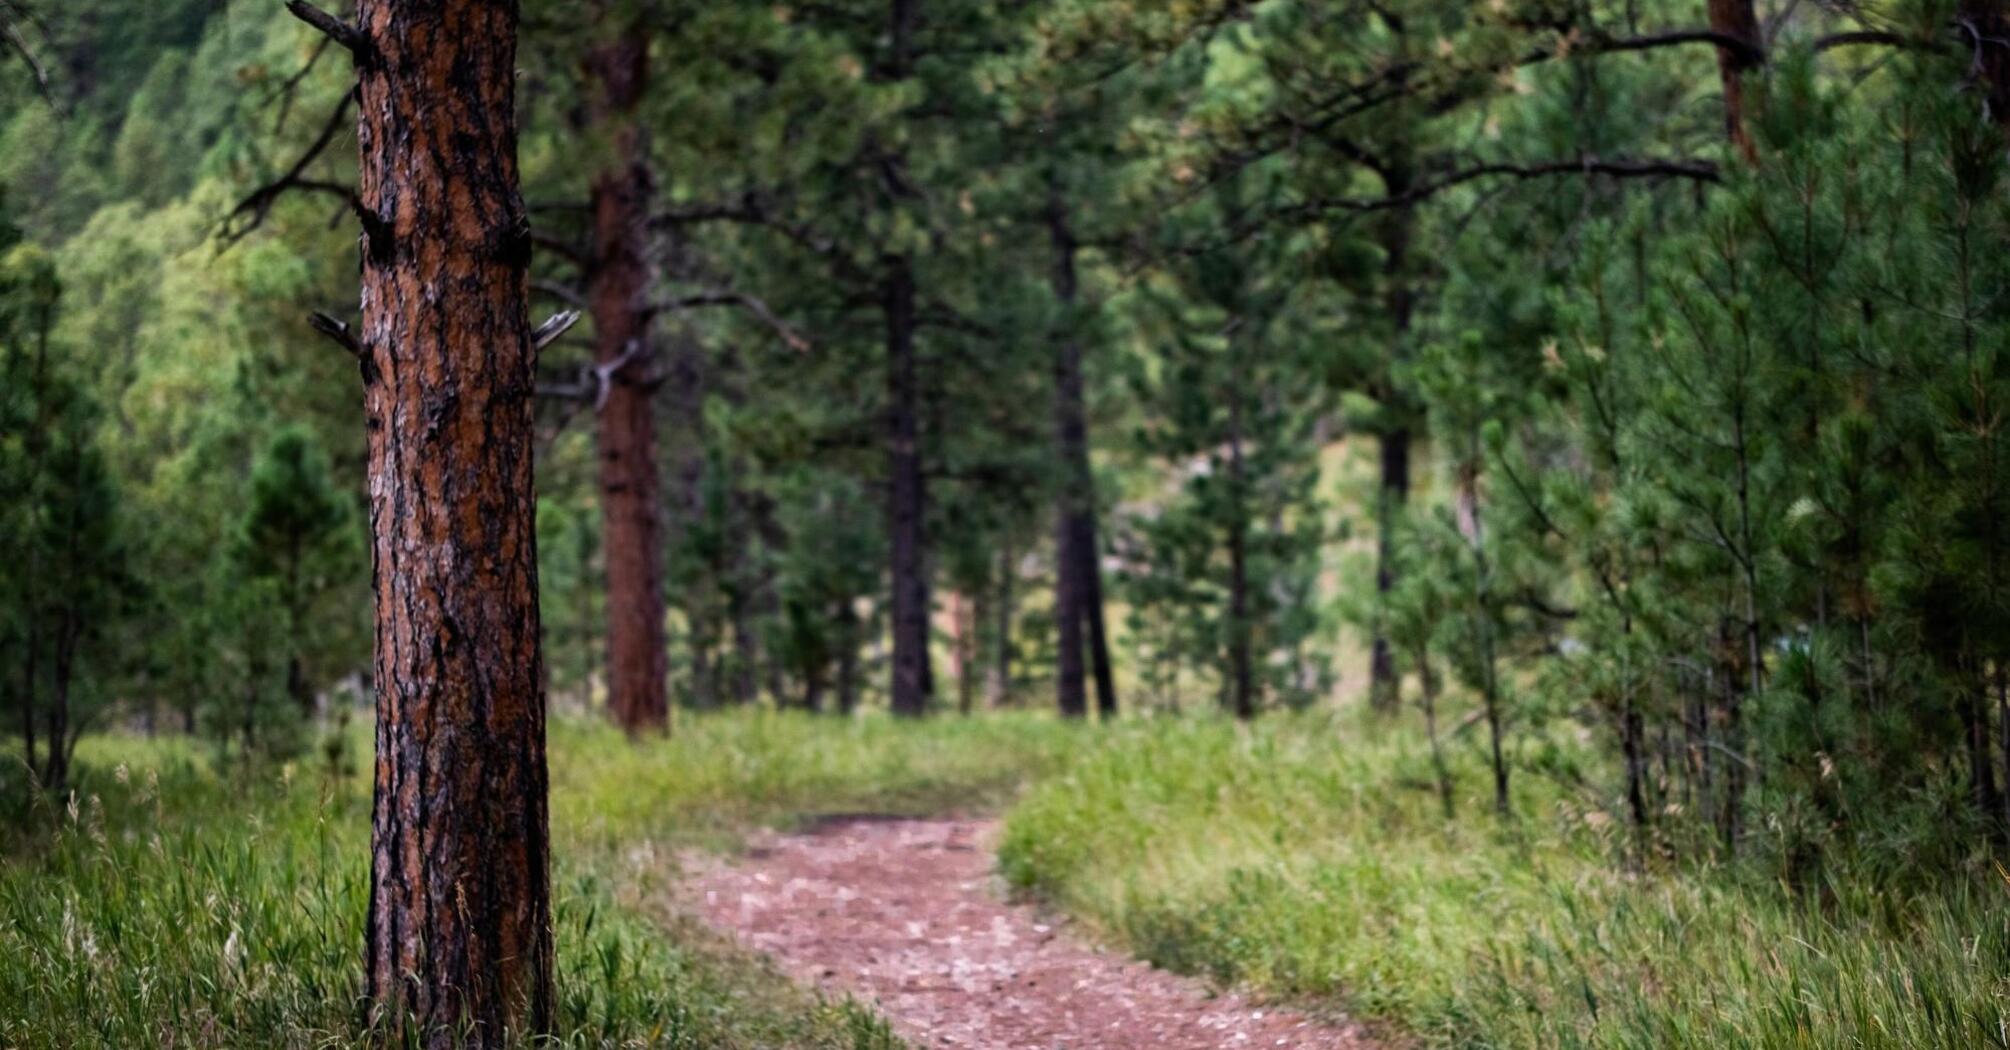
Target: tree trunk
1241,670
847,659
28,675
1428,696
1087,549
618,280
1399,302
1736,19
1078,591
906,498
459,941
56,771
963,620
999,685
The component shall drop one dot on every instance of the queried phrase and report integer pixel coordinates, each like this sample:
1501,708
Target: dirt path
904,913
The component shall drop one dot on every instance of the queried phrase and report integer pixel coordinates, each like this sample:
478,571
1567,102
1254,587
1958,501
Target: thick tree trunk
459,924
618,284
1737,19
906,497
1078,590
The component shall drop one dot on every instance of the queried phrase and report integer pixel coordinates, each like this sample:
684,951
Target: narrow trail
904,913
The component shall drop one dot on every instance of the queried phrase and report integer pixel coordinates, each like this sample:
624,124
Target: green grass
1307,858
177,906
170,904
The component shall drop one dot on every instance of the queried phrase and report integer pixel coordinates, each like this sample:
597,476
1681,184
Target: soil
906,914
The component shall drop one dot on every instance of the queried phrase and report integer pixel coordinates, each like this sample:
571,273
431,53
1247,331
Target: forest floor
906,914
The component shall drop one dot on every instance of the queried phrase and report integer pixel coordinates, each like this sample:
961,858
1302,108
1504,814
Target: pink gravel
905,914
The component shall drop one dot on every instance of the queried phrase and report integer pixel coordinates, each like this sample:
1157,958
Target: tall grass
169,902
1309,859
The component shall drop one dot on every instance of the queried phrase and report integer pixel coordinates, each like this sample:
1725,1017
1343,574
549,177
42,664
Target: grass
1307,858
168,903
176,905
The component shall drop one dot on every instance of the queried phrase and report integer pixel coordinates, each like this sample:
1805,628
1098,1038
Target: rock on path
902,913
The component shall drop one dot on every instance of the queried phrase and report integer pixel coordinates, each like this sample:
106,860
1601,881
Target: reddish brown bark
618,283
459,939
1736,19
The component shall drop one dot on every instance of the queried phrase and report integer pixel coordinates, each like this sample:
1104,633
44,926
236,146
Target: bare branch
1699,170
11,32
557,325
251,212
350,37
566,250
747,302
560,291
338,331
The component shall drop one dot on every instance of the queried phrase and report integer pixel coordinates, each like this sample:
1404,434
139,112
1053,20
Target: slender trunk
56,771
28,676
999,686
1428,695
1472,522
1241,671
1399,304
964,621
746,647
618,282
907,498
1737,20
1086,549
459,928
813,687
1981,753
1078,590
847,659
296,668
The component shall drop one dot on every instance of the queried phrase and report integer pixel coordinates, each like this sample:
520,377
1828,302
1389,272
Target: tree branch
1699,170
351,38
336,330
548,332
251,212
747,302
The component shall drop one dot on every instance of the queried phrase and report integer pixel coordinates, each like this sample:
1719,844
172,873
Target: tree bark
1399,301
1241,668
847,658
999,685
1736,19
1078,591
618,278
906,497
459,938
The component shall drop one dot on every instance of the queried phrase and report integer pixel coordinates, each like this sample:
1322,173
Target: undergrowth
1308,858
